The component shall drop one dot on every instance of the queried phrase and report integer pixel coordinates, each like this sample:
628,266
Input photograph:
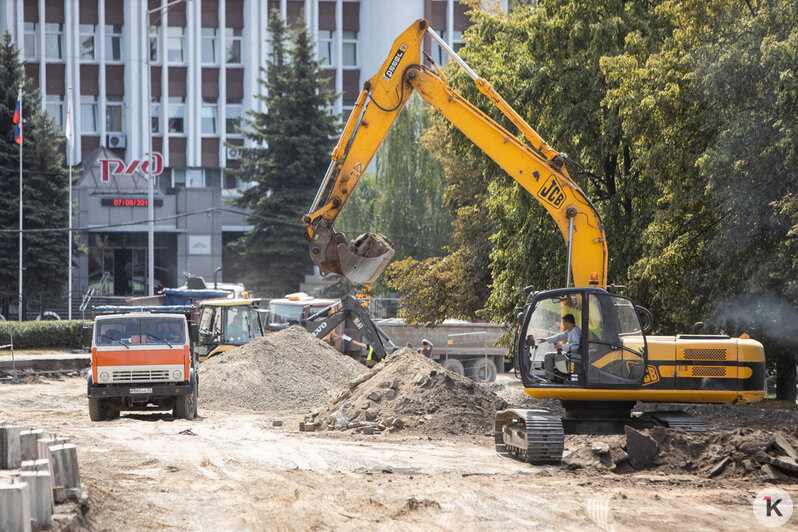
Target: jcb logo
652,376
551,192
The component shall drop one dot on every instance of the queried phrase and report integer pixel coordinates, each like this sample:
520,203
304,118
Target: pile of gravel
285,371
410,392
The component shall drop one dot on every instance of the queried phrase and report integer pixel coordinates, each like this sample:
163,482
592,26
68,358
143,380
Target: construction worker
426,348
371,357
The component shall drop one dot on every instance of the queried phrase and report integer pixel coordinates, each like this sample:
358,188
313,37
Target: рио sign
116,167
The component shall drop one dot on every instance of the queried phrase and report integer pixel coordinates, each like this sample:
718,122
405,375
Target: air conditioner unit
233,154
116,140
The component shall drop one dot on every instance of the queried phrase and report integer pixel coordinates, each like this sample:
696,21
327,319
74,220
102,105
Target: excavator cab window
615,342
544,359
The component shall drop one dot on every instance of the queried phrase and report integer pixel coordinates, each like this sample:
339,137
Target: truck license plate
141,390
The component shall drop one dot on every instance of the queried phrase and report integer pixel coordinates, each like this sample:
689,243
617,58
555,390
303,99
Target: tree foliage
714,115
45,195
684,115
288,147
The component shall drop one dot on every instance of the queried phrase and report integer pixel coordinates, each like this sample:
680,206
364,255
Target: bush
43,334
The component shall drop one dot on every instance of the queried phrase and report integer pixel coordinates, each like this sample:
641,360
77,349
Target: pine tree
288,153
45,194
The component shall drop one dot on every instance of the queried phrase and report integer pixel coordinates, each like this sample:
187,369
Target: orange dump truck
142,359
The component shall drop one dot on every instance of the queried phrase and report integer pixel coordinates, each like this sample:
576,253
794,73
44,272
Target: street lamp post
148,126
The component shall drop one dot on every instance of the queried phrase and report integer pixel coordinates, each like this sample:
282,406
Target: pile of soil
738,453
290,370
410,392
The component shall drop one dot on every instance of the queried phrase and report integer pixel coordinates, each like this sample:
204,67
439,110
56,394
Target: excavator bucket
362,261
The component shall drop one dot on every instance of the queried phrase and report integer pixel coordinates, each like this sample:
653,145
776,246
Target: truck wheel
454,366
481,370
186,405
96,409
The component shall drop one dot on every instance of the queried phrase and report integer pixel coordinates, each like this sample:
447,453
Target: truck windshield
285,314
165,331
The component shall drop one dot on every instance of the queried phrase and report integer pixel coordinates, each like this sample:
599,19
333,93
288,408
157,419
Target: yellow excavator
581,344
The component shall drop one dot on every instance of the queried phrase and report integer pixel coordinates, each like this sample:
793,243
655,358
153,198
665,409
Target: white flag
70,129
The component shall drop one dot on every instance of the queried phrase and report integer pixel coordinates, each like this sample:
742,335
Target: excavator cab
611,350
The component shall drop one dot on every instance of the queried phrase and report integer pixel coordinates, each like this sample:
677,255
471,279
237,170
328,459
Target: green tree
713,114
546,61
45,195
288,149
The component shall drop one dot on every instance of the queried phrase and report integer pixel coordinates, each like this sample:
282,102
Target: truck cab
142,359
293,309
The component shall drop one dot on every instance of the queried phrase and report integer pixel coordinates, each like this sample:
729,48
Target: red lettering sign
114,167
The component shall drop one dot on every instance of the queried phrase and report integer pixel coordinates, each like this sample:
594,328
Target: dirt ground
236,471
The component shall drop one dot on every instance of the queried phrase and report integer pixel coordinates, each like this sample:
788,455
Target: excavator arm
349,311
530,161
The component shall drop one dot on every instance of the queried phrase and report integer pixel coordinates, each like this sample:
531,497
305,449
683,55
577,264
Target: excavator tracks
535,436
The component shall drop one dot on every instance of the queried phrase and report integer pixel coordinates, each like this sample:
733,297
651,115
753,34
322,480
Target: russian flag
18,120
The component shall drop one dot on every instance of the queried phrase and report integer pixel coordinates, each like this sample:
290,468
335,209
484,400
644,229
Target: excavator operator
565,342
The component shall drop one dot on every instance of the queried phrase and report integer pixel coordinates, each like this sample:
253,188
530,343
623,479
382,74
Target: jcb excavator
614,363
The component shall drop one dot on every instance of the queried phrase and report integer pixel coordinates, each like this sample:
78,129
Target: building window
155,115
113,42
208,46
213,178
88,113
176,40
194,178
177,112
233,117
457,41
53,41
326,48
155,39
113,114
55,106
178,177
210,115
30,40
349,39
233,46
87,35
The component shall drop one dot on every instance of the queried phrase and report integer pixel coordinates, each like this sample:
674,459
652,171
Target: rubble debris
641,448
289,370
737,453
409,392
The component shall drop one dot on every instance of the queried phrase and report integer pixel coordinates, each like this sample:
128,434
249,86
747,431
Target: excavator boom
529,160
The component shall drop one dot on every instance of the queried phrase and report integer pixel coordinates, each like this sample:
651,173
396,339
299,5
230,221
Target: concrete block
41,496
15,507
65,465
27,443
36,465
10,452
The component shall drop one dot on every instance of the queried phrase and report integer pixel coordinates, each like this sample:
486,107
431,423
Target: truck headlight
177,374
104,376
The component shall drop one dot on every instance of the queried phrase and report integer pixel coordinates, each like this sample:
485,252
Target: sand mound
283,371
410,392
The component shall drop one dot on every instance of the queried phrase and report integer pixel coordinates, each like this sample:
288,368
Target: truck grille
145,375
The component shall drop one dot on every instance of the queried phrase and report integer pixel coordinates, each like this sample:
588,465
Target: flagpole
20,204
70,135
